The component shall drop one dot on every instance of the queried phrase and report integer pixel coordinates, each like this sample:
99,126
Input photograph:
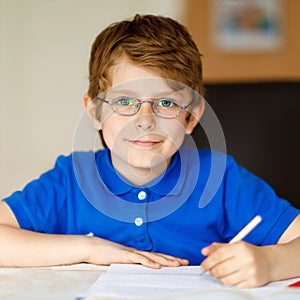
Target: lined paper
122,281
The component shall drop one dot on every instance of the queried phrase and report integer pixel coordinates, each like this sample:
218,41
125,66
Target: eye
125,101
166,103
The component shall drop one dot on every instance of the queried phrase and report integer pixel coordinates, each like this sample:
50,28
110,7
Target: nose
145,119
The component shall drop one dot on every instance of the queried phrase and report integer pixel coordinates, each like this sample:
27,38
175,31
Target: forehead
125,70
127,76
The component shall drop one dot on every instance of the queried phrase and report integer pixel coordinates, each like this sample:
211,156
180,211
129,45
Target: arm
26,248
286,253
245,265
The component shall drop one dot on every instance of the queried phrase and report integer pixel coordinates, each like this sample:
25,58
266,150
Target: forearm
284,260
24,248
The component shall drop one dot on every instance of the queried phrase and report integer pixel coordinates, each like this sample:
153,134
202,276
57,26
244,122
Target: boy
145,75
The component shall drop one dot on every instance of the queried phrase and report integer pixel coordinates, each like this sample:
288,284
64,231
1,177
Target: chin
152,162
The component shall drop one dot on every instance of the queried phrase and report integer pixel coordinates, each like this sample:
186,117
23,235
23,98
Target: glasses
162,107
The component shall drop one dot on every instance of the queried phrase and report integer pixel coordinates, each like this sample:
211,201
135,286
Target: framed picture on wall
247,25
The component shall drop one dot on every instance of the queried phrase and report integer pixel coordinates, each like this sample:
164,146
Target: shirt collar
167,183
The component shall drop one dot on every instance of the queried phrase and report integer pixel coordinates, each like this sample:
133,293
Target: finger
248,283
182,261
243,279
221,254
225,269
207,250
211,248
158,259
164,259
239,279
138,258
232,279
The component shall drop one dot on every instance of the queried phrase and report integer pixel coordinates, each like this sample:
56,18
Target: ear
90,110
194,117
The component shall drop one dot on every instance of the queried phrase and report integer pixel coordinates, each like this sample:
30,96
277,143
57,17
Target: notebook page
123,281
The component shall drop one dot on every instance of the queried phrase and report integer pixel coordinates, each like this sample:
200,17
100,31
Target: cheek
177,138
113,130
175,131
109,125
109,134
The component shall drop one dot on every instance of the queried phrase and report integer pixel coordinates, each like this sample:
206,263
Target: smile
145,144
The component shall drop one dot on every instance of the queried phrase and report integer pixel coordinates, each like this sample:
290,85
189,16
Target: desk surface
62,283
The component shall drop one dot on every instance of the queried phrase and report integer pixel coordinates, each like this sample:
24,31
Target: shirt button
138,221
142,195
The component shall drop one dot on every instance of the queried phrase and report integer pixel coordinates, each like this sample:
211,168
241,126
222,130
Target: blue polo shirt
83,193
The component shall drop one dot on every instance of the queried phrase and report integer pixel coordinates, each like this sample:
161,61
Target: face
143,144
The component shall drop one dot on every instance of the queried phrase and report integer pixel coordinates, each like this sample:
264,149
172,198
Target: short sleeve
245,196
38,205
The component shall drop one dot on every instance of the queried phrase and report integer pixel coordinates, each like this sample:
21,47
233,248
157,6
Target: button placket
139,233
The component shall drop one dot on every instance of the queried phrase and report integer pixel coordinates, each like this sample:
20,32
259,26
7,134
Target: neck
139,175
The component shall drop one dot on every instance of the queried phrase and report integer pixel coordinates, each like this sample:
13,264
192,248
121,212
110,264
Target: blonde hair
155,42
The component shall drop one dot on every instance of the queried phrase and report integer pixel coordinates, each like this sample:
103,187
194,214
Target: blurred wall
255,94
220,65
44,52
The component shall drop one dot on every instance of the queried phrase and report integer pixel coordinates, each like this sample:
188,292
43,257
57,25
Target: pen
247,229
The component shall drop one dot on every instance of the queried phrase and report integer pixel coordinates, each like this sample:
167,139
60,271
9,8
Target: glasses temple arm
103,100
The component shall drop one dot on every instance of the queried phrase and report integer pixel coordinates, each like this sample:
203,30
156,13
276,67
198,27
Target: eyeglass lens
162,107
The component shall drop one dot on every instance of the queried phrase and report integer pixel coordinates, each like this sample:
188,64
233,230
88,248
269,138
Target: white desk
55,283
58,283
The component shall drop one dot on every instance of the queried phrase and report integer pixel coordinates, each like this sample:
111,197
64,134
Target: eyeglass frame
139,105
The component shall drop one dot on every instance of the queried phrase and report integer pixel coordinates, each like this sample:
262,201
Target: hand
238,264
104,252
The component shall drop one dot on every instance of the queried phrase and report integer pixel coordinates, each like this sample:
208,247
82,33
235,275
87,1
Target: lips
146,143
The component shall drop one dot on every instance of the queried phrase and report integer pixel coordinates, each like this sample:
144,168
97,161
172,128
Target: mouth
145,143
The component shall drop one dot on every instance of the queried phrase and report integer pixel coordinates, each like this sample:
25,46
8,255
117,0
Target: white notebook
122,281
